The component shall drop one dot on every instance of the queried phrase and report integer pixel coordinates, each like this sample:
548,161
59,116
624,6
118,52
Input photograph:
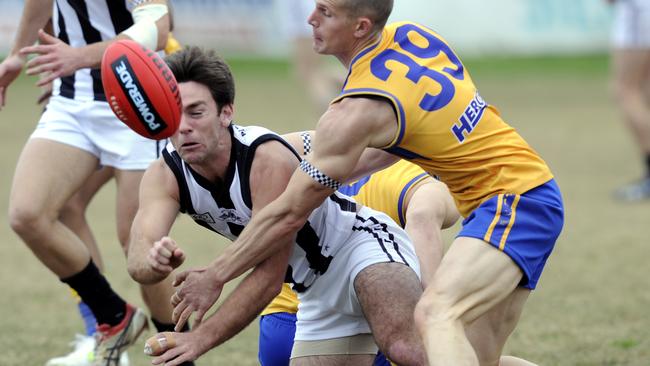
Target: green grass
591,305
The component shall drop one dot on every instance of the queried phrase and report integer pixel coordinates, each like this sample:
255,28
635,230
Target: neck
359,46
215,165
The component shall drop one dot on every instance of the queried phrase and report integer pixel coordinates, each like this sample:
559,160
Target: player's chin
191,157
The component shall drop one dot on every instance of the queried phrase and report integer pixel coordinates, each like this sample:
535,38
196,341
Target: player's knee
405,351
435,308
26,221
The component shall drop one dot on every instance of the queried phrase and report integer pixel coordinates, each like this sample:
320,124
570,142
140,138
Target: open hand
197,292
55,58
173,349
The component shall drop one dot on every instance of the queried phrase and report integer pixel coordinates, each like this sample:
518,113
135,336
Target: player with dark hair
408,93
354,269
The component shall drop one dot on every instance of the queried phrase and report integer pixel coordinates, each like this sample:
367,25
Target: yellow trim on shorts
513,209
494,222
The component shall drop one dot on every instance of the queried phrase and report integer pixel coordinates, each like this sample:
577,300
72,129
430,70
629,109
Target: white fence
255,27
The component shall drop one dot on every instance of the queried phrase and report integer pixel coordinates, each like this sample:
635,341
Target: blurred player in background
408,93
631,77
321,80
77,133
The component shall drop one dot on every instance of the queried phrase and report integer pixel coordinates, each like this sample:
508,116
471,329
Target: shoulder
160,178
367,115
273,152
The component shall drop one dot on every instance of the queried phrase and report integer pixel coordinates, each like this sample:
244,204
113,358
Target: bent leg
44,180
388,293
73,213
473,278
488,334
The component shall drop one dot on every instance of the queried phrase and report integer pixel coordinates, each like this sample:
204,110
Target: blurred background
545,64
256,28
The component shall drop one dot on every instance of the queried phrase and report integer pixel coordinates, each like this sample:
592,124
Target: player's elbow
163,26
141,272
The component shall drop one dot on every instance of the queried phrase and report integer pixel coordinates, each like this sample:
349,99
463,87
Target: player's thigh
47,174
92,185
472,278
388,293
75,207
128,186
489,332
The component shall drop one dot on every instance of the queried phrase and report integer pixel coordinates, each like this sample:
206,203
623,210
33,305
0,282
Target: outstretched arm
343,132
152,255
199,289
239,309
150,28
371,160
35,16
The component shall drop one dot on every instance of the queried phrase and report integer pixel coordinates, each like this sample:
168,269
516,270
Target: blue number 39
416,71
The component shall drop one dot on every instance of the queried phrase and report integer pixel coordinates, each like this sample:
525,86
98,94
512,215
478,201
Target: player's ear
226,114
364,27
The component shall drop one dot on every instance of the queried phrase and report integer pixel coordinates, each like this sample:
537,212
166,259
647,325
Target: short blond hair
376,10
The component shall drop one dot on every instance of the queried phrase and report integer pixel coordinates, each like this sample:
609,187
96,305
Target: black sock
647,164
93,288
166,327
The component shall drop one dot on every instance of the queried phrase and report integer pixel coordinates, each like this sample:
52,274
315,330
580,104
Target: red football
141,90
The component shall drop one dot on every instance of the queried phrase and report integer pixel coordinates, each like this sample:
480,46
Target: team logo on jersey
231,215
138,99
470,118
205,217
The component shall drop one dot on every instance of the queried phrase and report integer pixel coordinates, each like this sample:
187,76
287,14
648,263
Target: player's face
333,30
197,138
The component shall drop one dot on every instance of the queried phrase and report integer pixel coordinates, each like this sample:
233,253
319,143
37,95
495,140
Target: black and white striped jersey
82,22
225,207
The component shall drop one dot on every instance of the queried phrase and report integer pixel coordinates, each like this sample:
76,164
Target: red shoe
114,340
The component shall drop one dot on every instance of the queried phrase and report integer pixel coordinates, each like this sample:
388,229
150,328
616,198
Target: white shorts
631,28
92,127
330,308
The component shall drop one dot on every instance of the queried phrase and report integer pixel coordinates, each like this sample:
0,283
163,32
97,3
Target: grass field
592,304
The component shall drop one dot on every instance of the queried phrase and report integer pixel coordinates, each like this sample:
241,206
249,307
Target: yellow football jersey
444,125
285,302
386,190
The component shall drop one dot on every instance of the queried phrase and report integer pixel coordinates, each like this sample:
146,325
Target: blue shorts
276,340
524,226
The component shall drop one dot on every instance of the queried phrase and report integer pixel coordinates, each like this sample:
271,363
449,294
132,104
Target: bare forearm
138,266
429,249
240,308
264,235
35,16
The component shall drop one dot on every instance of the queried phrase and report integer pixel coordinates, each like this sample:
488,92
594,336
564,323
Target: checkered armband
319,176
306,142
